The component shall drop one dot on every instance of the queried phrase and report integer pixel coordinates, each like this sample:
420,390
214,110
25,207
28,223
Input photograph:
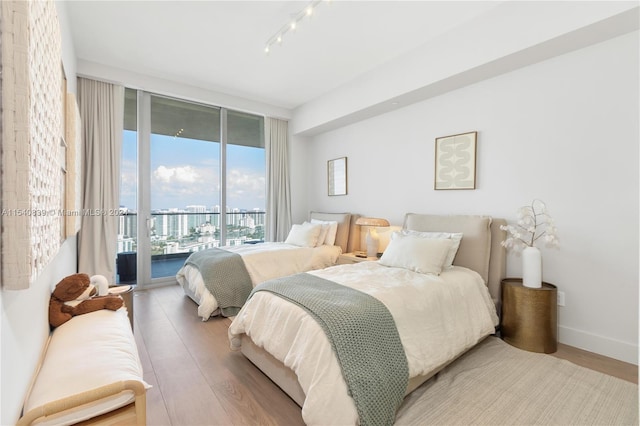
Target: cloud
183,174
245,187
243,180
183,185
179,186
128,183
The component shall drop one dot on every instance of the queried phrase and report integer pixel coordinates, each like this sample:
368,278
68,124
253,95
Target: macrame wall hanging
34,153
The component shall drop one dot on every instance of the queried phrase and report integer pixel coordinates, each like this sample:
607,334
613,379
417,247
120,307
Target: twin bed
438,317
348,342
263,261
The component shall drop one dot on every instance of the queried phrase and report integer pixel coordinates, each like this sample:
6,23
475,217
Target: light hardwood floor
197,380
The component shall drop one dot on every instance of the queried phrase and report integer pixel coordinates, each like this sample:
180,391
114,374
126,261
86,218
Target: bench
90,372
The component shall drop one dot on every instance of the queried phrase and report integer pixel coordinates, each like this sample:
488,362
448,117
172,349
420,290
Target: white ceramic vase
531,267
372,241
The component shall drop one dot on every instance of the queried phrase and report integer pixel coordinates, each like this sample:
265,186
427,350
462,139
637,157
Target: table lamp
372,238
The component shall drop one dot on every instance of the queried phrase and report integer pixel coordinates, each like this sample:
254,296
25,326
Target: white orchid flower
533,223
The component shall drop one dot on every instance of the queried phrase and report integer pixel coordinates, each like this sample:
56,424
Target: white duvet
438,318
264,261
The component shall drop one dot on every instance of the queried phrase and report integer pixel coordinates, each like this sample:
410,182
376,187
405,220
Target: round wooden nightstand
529,318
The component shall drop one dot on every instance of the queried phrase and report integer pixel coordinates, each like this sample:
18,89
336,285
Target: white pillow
332,229
423,255
323,233
456,237
305,235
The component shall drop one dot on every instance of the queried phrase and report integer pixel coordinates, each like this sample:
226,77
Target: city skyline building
192,228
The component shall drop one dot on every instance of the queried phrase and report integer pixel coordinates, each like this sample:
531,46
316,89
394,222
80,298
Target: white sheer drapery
278,188
102,111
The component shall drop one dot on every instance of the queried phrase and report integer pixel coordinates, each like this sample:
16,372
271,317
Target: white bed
438,318
265,261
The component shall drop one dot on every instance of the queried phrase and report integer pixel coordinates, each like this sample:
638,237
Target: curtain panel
102,111
278,188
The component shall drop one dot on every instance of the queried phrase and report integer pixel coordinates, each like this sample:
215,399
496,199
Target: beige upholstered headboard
346,228
480,248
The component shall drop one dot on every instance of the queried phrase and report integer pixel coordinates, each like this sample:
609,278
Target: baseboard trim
611,348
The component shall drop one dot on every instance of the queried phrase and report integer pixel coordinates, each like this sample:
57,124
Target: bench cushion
85,353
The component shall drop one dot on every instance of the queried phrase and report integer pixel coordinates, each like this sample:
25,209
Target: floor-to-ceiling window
245,182
193,177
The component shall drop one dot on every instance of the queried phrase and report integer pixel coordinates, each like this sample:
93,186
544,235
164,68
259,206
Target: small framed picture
337,176
456,161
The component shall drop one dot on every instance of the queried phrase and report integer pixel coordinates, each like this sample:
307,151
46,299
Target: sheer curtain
278,190
102,111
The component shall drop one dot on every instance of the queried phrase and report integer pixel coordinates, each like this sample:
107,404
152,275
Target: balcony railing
175,235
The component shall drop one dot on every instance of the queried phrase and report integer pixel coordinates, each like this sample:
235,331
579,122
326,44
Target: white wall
504,38
564,130
24,317
25,328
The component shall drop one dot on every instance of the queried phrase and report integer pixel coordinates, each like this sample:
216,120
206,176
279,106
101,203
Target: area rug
497,384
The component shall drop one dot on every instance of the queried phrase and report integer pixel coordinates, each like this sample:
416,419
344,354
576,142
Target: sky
187,172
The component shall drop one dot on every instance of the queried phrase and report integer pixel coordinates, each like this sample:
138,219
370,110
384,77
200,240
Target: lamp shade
372,221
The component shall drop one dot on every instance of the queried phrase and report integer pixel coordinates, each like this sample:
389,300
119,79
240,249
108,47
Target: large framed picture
456,161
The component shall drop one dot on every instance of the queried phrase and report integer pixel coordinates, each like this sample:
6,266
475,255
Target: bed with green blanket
300,332
220,279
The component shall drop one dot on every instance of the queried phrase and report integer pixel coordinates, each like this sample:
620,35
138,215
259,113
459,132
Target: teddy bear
76,295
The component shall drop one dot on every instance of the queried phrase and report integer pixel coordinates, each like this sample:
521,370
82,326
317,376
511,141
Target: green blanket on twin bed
225,276
364,338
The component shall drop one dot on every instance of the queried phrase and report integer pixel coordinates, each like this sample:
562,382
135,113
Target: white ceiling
219,45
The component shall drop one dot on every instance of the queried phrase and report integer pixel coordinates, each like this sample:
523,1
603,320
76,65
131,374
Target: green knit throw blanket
364,338
225,276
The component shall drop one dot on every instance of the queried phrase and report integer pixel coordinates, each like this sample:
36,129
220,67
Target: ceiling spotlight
292,25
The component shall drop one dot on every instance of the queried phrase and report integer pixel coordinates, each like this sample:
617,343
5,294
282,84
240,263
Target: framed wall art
456,161
337,176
